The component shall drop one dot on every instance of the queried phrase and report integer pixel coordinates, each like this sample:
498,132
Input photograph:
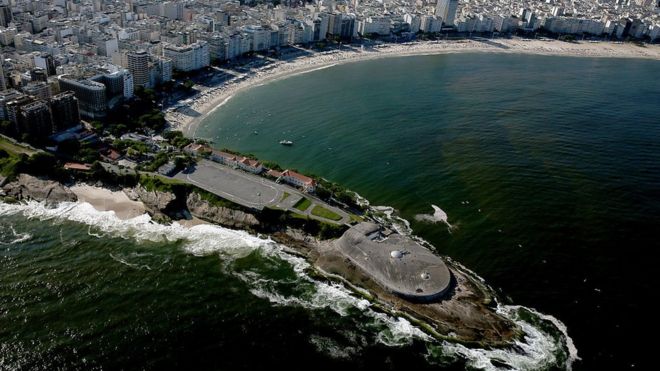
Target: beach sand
105,200
192,222
213,98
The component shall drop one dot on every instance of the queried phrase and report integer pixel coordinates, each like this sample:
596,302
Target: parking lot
234,185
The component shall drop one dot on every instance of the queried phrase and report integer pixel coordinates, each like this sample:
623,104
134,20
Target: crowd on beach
187,116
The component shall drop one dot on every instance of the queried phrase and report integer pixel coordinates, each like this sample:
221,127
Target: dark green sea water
559,159
548,169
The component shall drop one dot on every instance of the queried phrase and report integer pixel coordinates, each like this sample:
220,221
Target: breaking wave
546,342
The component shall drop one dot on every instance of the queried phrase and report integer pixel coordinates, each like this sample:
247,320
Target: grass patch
355,218
285,196
217,201
8,163
181,189
159,183
16,149
325,213
303,204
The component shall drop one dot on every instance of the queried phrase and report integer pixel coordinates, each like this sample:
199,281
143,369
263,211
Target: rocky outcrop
156,201
27,187
220,215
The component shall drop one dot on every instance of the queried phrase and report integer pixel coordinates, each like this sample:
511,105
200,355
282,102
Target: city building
298,180
188,57
138,65
3,82
34,119
446,10
250,165
92,99
39,89
5,15
107,46
39,74
12,108
7,96
64,109
45,61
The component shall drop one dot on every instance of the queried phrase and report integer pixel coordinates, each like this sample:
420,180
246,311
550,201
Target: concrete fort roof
396,262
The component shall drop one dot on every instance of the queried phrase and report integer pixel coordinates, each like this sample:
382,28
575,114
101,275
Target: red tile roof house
111,155
224,158
273,173
308,184
250,165
77,167
195,149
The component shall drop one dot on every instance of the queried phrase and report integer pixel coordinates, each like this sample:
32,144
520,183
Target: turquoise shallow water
548,168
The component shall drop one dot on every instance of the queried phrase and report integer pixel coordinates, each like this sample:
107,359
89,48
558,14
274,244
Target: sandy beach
106,200
206,101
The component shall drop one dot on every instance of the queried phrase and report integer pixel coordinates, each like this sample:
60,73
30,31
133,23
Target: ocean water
82,289
540,174
548,170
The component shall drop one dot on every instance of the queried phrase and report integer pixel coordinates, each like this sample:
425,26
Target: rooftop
396,262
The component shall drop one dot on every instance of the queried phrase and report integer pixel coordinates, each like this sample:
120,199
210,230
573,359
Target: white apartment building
430,23
414,21
188,57
375,25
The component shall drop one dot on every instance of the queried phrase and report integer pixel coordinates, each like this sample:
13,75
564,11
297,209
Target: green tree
7,128
69,147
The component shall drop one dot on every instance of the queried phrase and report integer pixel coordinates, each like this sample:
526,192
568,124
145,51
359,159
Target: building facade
188,57
64,109
92,99
35,119
138,65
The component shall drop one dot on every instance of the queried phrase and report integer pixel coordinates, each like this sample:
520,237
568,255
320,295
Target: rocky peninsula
462,310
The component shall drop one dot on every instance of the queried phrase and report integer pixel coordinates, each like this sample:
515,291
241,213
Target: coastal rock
156,201
220,215
28,187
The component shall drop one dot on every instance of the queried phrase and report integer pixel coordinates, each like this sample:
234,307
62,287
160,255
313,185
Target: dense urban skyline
103,50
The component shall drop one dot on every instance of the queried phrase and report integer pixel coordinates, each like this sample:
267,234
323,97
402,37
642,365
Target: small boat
286,142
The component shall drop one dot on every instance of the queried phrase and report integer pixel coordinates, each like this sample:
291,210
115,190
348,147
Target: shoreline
469,316
207,103
119,202
103,199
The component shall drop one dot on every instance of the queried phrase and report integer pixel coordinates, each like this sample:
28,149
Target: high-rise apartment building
92,99
45,61
5,15
64,109
138,65
189,57
35,119
446,9
39,89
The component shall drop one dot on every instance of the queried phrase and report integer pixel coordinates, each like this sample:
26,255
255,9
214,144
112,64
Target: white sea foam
132,265
224,101
400,225
330,347
316,69
200,239
538,349
438,216
15,236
